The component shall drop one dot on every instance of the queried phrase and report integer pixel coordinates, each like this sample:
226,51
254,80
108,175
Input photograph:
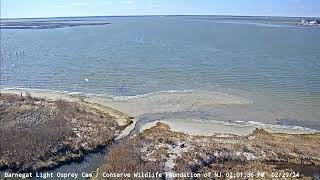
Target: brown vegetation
126,157
38,134
260,152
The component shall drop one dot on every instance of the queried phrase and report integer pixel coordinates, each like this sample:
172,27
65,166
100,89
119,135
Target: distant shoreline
45,25
157,15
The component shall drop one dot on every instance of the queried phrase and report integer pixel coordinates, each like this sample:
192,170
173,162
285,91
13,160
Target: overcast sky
62,8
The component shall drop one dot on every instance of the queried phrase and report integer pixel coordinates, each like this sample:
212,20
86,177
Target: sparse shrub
127,157
28,95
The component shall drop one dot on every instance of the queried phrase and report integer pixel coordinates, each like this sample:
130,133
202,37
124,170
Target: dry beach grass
38,134
176,152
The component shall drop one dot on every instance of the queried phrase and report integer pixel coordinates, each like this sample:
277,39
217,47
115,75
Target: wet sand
191,112
202,128
179,110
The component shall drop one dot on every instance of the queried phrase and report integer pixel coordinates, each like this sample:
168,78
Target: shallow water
171,68
270,61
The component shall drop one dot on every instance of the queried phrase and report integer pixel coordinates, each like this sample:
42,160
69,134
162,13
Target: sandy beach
180,110
201,128
90,125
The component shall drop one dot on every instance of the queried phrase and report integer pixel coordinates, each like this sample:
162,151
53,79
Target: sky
64,8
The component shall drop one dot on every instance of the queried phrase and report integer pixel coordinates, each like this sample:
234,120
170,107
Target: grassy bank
39,134
159,149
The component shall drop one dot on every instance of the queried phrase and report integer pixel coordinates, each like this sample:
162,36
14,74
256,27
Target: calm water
272,61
